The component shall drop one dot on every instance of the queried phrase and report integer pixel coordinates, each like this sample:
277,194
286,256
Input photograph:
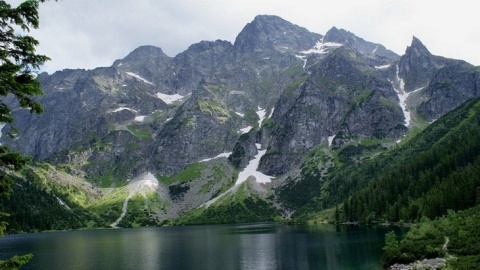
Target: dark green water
239,246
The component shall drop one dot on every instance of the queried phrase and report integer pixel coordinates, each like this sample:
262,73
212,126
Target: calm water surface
239,246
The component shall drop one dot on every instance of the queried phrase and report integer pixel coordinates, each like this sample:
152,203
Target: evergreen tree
18,65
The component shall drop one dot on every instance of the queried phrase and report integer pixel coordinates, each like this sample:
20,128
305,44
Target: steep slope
202,127
438,84
284,106
432,173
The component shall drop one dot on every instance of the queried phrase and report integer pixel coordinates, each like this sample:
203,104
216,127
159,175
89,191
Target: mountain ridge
304,100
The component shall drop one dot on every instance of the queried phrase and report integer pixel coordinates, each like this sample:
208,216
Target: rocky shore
426,264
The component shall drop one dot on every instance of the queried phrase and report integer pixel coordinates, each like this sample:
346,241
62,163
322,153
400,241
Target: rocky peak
417,48
338,35
268,32
417,66
369,49
204,45
199,60
148,65
143,53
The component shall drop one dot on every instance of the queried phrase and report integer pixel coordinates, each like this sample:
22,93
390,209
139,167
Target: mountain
257,126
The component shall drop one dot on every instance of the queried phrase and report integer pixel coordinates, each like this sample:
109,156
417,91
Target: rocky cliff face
276,94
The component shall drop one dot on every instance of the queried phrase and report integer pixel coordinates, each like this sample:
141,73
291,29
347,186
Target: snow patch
399,87
138,77
240,114
251,169
319,48
303,58
140,118
218,156
382,67
322,47
271,113
124,108
169,99
330,140
261,114
245,130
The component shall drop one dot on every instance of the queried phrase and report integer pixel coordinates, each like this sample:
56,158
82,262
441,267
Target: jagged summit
339,35
418,65
144,52
268,31
281,98
362,46
417,49
205,45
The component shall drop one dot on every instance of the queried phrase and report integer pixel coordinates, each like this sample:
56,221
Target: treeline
435,171
33,208
426,183
444,177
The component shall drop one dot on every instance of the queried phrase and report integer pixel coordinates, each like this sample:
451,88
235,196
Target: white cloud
88,33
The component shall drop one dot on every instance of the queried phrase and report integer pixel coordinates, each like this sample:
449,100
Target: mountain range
250,131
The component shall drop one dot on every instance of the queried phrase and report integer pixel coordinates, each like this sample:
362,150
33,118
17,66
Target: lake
236,246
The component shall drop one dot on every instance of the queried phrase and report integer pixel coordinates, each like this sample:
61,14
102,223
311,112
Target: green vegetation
19,63
142,211
109,207
242,205
434,172
454,236
191,173
219,173
215,108
431,174
142,132
36,207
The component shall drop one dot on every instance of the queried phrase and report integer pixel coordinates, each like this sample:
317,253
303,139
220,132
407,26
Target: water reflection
244,246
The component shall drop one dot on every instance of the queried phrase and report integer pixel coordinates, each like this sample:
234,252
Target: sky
93,33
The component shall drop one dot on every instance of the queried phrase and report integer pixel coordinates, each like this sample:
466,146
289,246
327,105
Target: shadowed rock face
149,111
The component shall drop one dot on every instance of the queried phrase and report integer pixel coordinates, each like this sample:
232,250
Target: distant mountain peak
146,49
417,48
268,18
347,38
338,35
269,31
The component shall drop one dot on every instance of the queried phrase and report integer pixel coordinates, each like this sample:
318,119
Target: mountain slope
432,173
285,106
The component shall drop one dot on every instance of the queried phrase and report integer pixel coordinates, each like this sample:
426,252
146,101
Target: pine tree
18,65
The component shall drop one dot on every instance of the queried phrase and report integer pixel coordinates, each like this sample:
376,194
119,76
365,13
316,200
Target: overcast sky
92,33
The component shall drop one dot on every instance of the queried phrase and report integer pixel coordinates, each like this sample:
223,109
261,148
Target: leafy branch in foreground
18,65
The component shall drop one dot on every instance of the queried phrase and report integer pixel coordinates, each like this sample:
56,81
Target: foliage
141,132
241,205
15,262
248,210
18,62
192,172
35,206
431,173
454,236
391,249
141,211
